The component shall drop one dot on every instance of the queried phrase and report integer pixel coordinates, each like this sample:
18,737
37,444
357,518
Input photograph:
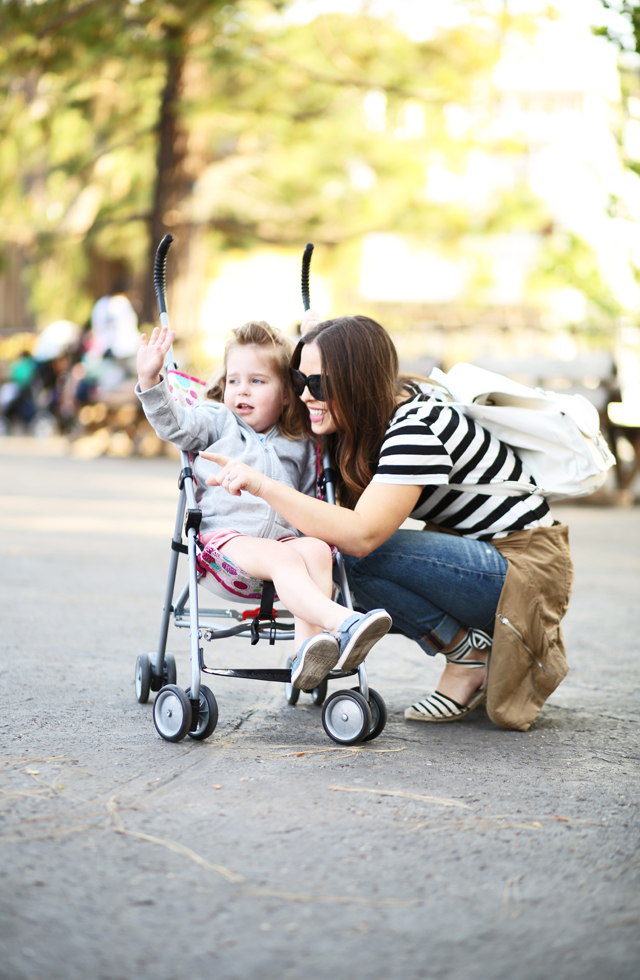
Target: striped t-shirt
430,443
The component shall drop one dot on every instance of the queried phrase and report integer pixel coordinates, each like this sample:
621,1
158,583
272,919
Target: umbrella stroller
348,716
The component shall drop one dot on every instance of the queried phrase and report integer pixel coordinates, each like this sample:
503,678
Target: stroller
348,716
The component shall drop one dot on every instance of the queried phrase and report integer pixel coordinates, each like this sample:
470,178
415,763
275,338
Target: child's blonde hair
258,333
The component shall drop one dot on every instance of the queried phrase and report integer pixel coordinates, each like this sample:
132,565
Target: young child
256,422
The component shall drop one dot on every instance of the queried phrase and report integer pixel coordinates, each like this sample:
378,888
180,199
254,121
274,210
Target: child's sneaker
313,661
358,633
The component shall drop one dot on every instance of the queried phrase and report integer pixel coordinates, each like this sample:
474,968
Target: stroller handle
159,274
160,282
306,262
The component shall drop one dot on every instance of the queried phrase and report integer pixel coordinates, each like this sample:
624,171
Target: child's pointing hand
234,476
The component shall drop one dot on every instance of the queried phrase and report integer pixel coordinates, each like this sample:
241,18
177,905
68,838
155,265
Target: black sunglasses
313,382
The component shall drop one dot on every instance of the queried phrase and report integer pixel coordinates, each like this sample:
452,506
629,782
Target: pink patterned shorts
211,561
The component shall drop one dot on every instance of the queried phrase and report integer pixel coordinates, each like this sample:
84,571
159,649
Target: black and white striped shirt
430,443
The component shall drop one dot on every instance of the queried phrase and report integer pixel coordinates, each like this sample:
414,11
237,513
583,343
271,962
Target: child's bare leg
296,587
319,564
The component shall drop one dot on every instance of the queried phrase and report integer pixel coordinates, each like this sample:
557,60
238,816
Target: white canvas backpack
557,437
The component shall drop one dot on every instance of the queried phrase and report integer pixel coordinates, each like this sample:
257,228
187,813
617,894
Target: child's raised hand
234,476
151,355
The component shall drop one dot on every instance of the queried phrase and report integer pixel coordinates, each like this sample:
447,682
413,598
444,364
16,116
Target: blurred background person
110,357
17,403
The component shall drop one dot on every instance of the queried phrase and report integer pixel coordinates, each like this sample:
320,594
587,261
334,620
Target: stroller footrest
279,675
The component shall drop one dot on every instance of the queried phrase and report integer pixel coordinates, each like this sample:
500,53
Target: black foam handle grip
159,272
306,262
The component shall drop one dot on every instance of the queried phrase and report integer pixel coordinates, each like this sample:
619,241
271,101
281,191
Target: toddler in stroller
251,414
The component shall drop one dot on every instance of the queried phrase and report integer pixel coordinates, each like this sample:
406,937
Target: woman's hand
235,476
309,321
150,359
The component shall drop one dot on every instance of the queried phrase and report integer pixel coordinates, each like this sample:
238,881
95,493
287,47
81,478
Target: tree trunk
15,315
171,183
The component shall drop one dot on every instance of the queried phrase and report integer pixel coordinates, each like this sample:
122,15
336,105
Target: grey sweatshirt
212,426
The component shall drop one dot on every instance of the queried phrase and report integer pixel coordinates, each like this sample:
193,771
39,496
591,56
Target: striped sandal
475,640
439,708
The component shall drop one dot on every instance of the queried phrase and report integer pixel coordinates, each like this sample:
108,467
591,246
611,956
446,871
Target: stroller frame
348,716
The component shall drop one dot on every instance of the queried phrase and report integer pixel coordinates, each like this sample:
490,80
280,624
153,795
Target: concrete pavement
454,851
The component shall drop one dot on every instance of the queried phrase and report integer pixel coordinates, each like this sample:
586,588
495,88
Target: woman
395,448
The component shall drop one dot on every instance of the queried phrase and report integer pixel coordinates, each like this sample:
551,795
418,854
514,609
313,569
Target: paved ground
457,852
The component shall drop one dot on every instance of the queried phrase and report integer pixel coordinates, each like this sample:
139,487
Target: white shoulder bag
557,437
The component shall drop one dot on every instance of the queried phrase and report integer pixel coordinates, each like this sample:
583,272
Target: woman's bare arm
380,511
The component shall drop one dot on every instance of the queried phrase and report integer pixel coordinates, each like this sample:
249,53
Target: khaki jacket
528,658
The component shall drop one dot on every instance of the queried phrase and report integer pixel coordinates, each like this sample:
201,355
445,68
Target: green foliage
124,120
566,259
630,11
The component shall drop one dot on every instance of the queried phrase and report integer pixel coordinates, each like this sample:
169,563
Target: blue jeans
431,584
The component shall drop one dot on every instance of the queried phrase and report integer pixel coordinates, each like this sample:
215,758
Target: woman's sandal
476,640
438,707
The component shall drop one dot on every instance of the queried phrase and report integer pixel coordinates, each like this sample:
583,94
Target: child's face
254,391
322,421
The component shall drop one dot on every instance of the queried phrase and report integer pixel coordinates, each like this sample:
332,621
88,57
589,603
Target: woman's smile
320,417
316,414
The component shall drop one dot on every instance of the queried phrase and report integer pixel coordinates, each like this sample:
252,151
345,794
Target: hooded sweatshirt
211,426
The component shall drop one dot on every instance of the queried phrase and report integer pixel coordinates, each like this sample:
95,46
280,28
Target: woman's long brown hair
359,374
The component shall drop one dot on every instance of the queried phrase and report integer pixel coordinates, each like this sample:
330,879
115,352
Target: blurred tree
92,124
630,11
627,39
122,121
566,260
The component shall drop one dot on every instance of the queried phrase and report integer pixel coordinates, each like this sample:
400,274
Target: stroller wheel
169,673
378,714
319,693
291,693
143,678
172,713
346,717
207,714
